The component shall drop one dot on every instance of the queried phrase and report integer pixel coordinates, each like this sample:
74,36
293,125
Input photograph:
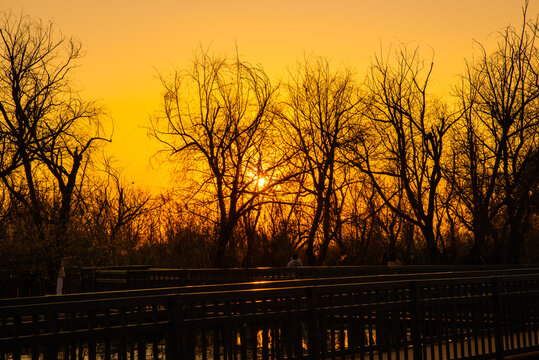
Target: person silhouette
61,276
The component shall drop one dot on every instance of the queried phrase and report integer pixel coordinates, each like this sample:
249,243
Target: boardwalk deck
452,318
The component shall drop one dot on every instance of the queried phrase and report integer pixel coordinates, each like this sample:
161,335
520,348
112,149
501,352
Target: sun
257,179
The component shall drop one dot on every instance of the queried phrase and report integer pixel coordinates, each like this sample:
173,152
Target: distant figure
61,276
294,262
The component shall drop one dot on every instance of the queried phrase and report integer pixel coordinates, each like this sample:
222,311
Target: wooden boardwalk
469,317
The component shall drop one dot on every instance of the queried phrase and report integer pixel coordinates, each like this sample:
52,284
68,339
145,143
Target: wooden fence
263,285
20,284
130,278
483,317
110,278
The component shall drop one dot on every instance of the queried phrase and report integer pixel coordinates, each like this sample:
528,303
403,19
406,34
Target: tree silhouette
496,143
402,150
321,108
219,114
47,130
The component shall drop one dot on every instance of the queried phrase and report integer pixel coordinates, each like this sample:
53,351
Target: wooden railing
110,278
20,284
266,285
128,279
485,317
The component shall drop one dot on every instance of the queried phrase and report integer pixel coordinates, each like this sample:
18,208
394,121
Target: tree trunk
430,239
311,257
223,239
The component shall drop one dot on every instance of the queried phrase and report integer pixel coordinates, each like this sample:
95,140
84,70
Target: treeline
340,168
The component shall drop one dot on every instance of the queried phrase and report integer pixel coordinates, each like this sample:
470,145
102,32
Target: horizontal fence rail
476,317
17,283
128,279
114,278
266,284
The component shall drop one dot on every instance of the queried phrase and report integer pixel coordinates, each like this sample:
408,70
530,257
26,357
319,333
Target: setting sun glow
239,134
128,44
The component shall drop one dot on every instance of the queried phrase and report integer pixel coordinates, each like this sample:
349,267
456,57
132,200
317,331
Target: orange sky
128,41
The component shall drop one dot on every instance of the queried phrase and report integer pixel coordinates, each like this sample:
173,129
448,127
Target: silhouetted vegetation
336,166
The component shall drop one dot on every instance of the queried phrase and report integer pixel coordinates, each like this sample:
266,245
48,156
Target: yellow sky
128,41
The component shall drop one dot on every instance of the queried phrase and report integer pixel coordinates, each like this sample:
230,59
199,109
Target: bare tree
219,115
46,130
496,143
402,150
115,216
321,108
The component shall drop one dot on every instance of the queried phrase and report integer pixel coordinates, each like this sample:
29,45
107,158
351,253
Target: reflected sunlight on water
254,343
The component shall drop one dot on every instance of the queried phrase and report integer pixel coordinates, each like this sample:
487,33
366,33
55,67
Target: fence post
314,323
51,349
414,322
497,302
129,281
173,336
91,280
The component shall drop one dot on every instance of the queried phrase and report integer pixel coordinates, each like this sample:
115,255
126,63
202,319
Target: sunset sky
127,43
